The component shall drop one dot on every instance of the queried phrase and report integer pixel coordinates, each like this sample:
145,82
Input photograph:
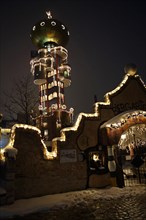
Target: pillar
112,165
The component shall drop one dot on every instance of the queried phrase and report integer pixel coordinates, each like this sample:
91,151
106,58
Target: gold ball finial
130,69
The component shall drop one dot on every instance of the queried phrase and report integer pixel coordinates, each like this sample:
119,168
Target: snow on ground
39,204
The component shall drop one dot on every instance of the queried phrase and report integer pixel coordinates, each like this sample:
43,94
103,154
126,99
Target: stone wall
36,176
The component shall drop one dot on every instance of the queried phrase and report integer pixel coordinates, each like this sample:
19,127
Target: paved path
131,208
120,204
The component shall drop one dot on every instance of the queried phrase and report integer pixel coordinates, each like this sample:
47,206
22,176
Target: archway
111,131
130,124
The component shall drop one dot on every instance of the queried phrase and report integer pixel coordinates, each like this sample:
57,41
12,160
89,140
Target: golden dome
49,31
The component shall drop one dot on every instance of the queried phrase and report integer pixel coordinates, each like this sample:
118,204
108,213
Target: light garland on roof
97,104
107,96
75,127
97,110
47,155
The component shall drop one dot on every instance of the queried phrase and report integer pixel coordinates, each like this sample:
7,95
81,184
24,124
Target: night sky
104,37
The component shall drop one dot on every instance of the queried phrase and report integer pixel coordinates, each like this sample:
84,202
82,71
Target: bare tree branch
23,98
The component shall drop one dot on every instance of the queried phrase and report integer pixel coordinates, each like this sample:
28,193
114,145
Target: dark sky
104,36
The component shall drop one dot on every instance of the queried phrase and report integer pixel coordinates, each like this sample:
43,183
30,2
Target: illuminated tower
49,66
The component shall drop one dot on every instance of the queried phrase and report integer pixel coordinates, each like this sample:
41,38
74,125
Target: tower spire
49,14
